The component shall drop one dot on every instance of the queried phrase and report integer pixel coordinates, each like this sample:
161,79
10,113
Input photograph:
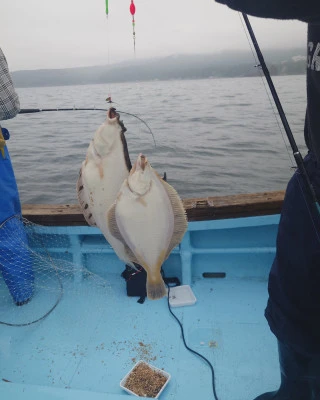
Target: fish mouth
142,161
113,114
140,164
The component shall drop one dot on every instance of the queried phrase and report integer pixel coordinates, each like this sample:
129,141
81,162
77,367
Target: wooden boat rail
197,209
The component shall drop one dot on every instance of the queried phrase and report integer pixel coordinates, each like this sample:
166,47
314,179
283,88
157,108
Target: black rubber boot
294,383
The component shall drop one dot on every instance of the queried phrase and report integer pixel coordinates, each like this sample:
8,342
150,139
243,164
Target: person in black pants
293,309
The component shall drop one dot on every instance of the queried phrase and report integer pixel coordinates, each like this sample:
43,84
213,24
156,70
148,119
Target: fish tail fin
156,288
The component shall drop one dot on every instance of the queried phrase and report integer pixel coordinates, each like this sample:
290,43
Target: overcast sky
69,33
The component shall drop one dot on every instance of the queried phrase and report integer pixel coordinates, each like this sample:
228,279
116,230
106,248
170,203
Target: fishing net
38,271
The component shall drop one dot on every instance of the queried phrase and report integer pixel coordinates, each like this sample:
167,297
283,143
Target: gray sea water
213,136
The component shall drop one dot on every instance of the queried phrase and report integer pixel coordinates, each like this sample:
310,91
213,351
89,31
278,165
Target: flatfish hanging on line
148,217
106,166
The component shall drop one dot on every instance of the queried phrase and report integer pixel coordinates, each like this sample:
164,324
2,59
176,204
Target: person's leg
294,296
316,389
294,383
314,376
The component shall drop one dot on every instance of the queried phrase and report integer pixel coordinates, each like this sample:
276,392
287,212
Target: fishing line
191,350
133,115
108,46
295,150
258,66
36,110
245,18
108,41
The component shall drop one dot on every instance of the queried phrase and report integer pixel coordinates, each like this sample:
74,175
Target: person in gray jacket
15,260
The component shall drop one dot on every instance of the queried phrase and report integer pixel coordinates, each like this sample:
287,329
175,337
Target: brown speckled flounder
106,166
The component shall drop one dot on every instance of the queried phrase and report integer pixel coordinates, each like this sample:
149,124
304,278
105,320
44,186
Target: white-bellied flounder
106,166
148,217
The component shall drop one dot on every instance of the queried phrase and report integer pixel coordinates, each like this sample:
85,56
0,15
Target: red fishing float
133,11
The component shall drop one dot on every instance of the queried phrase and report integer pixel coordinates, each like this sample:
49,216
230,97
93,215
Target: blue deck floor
226,325
96,334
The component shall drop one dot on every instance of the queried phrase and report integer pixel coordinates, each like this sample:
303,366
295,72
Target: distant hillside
222,65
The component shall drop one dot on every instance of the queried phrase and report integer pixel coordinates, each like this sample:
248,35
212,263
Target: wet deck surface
96,334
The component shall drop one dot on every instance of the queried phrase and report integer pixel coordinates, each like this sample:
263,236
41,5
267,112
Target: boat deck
96,333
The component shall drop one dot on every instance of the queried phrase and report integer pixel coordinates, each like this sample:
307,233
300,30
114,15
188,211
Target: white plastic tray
181,296
164,373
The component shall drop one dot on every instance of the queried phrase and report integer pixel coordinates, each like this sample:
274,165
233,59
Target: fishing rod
39,110
295,150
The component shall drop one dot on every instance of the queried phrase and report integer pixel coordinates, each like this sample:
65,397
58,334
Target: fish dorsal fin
125,152
84,201
180,216
115,232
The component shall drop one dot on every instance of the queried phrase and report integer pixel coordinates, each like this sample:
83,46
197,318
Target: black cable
193,351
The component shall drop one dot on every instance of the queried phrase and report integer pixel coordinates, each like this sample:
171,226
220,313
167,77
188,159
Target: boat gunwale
197,209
